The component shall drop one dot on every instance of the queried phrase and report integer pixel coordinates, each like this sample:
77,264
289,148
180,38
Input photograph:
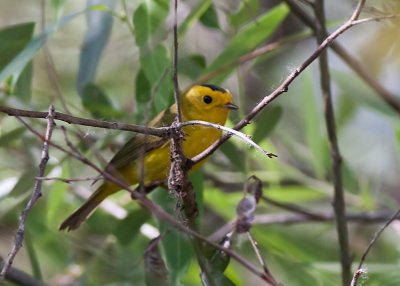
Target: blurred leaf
313,126
13,40
33,258
210,18
350,181
192,66
99,26
216,263
155,64
354,87
25,183
194,15
247,12
222,203
11,203
294,194
156,272
57,8
143,94
96,102
135,219
147,19
251,36
24,83
6,139
265,122
55,199
345,111
176,245
232,153
23,57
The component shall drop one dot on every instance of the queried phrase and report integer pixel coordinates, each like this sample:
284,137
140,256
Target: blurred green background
111,60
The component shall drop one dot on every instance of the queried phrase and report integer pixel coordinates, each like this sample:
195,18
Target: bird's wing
142,143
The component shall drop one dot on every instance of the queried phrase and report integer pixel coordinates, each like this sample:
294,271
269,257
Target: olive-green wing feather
142,143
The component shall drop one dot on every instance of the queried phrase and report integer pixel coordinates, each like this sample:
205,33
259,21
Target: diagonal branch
160,132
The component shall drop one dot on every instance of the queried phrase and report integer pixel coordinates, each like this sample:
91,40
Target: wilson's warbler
149,156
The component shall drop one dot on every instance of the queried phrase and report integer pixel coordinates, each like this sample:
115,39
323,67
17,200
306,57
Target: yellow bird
148,157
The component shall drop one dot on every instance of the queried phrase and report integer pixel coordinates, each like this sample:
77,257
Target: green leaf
135,220
354,87
222,203
216,263
143,93
194,16
23,57
96,102
176,245
313,126
10,203
266,122
210,18
23,86
13,40
251,36
147,19
231,151
57,7
156,66
99,24
8,138
248,10
55,199
25,182
192,66
33,257
346,109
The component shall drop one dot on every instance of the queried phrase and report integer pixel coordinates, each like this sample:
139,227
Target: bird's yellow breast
155,165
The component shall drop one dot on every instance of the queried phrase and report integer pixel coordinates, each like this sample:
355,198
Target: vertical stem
175,62
338,200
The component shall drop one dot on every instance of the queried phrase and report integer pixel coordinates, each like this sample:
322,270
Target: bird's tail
81,214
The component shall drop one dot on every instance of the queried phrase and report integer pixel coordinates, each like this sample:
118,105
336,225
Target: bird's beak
231,106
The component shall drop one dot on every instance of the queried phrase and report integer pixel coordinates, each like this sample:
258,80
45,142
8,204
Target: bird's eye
207,99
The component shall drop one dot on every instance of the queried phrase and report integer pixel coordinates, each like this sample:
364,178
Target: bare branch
230,131
160,132
36,194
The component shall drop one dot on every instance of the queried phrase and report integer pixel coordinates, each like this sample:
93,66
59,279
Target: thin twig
339,205
298,218
231,131
67,180
160,132
36,194
358,273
